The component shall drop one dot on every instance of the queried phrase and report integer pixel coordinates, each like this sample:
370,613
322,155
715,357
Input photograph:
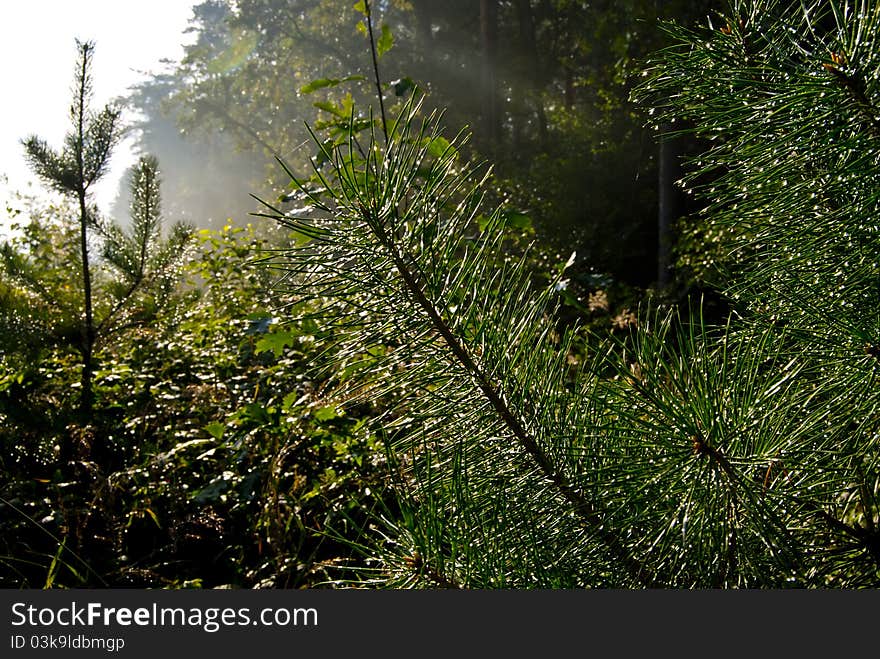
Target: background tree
202,171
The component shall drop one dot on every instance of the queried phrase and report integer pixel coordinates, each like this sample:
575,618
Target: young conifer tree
143,262
691,455
140,260
73,171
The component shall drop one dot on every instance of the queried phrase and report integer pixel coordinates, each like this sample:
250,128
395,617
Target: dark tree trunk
529,41
569,88
88,328
669,201
489,46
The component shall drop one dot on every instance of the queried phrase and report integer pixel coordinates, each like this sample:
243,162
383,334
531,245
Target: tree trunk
88,329
489,47
569,88
669,205
530,48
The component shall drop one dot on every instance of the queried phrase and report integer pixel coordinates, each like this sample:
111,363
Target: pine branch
377,77
383,235
669,472
854,86
789,180
588,512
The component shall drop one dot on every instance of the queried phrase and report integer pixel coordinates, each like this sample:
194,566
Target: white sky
37,60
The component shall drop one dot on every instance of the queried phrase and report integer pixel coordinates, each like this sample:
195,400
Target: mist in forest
207,179
543,88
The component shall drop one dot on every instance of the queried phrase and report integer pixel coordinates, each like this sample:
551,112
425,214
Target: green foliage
794,146
208,460
680,455
323,83
39,302
192,451
455,329
408,393
784,95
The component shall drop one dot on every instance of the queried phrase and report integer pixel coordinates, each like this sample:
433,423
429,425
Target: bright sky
37,60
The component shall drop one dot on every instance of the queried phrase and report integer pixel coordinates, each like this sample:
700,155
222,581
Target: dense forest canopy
496,294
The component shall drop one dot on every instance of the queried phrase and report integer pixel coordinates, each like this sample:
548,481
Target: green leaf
249,484
402,85
322,83
572,301
215,429
326,106
517,220
275,342
300,238
290,401
255,412
439,146
361,7
212,491
385,41
325,413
